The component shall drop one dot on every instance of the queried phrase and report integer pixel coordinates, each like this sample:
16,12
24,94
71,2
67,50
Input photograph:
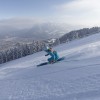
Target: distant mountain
39,31
13,32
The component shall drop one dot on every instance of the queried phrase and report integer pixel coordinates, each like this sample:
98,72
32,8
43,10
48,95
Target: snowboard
45,63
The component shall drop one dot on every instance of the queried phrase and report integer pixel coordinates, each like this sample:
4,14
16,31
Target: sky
74,12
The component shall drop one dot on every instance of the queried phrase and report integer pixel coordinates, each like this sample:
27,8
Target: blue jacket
54,55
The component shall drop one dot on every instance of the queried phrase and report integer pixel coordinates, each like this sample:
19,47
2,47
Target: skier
54,56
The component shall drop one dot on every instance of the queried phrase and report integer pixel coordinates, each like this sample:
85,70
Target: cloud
20,23
81,5
80,11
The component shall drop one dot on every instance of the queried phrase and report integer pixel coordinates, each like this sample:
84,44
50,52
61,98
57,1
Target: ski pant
51,59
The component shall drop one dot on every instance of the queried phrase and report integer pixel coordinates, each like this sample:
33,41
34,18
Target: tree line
21,50
77,34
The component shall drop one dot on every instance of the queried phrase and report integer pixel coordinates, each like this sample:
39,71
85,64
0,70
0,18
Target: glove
46,54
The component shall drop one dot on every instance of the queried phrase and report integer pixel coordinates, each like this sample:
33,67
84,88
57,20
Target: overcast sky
74,12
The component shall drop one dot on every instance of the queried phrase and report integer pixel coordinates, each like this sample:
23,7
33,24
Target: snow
75,78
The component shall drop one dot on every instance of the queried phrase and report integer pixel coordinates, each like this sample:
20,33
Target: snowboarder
54,56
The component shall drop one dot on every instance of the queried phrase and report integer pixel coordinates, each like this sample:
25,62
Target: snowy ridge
75,78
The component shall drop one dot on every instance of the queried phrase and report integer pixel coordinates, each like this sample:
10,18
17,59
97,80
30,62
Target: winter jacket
53,54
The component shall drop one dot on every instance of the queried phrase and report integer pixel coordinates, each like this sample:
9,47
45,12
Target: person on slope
54,56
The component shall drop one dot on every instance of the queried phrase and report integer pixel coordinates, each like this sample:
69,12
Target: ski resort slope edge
75,78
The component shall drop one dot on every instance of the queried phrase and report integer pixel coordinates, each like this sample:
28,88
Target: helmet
46,48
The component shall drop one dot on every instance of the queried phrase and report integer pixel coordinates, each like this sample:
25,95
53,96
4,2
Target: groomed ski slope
75,78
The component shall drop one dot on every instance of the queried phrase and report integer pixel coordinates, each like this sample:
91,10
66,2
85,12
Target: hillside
75,78
11,34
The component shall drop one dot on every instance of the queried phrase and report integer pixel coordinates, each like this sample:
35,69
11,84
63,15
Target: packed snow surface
75,78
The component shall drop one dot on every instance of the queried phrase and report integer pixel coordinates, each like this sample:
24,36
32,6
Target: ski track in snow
75,78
